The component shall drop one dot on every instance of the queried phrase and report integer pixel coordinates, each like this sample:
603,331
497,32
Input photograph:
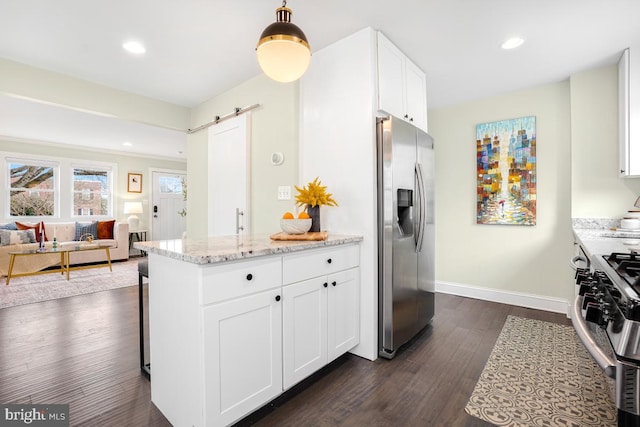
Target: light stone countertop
228,248
602,237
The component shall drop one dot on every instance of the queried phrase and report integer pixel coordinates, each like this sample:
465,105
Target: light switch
284,192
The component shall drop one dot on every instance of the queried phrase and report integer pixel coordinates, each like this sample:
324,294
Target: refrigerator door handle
421,206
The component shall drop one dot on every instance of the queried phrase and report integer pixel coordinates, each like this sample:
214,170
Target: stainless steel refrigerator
406,234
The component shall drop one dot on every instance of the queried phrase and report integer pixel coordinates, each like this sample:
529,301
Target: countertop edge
604,241
230,248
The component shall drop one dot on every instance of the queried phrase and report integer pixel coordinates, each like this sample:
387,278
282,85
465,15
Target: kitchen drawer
238,279
309,264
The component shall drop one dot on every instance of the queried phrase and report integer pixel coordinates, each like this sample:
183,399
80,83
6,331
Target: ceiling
198,49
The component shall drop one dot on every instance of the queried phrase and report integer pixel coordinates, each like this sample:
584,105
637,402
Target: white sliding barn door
229,177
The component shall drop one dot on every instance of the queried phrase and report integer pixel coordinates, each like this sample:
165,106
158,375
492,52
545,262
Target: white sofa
65,235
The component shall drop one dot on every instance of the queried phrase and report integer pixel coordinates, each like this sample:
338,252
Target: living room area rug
44,287
540,374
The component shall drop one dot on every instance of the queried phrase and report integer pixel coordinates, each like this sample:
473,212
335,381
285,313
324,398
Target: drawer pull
329,261
249,276
333,283
277,297
325,284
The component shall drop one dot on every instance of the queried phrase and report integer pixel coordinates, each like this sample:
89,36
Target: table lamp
131,209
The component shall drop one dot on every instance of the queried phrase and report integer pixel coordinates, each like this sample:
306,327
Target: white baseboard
521,299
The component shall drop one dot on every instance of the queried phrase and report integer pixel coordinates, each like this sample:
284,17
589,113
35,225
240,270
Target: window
91,191
171,184
32,187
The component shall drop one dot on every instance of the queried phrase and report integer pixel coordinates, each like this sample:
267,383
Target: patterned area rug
44,287
540,374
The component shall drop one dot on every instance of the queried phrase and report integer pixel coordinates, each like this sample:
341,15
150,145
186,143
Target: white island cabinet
321,318
220,332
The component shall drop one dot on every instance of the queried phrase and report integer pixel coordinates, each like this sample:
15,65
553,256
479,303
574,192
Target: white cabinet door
304,329
391,82
321,321
402,86
416,95
343,312
629,113
242,355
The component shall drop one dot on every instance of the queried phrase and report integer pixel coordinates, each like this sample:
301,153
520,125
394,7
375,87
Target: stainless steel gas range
606,316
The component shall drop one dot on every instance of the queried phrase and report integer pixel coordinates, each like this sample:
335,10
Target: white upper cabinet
402,86
391,77
629,114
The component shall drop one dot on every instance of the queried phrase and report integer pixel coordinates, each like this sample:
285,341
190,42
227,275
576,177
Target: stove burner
616,257
627,266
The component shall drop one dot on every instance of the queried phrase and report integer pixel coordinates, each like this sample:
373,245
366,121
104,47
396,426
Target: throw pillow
84,228
105,229
9,226
16,237
37,228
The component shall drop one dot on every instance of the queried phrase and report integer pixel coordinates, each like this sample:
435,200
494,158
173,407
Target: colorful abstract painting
506,170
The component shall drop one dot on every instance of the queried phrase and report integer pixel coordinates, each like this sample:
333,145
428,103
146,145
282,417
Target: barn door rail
217,119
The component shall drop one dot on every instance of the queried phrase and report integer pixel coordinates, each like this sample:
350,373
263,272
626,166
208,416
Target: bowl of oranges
292,225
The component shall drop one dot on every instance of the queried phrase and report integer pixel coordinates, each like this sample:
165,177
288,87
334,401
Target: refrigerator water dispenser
405,219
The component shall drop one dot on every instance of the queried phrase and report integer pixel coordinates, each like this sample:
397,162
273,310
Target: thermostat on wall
277,159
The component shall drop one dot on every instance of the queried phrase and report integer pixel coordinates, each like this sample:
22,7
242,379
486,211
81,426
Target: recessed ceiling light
512,43
134,47
127,144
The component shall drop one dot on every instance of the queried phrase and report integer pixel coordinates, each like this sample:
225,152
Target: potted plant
314,195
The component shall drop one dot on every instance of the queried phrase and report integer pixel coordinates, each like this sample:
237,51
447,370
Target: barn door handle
239,227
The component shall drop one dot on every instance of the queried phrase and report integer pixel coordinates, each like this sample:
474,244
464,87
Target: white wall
596,189
22,80
498,261
274,128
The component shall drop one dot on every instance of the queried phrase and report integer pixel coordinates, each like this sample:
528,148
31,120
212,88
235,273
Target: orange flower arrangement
314,194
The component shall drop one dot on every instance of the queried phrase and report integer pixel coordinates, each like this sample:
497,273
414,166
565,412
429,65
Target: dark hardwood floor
83,351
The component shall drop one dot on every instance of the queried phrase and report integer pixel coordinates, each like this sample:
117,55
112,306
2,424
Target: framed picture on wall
134,183
506,171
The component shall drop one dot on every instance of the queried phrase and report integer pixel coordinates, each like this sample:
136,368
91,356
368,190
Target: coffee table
64,252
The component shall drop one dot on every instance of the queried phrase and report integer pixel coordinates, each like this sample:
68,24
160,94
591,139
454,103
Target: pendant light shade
283,50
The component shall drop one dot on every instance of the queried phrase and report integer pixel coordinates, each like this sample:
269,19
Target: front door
169,205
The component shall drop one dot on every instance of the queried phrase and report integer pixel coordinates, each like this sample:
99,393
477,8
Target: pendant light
283,50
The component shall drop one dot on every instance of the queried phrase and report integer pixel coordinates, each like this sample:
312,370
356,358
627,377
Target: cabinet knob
406,116
333,283
249,276
329,261
325,284
277,297
621,170
411,119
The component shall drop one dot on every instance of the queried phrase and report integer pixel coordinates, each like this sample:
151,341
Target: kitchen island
235,321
